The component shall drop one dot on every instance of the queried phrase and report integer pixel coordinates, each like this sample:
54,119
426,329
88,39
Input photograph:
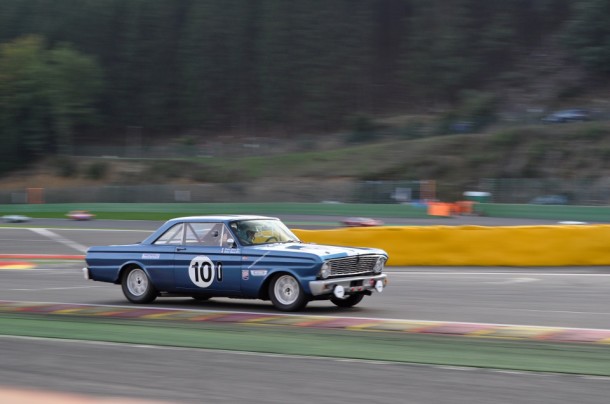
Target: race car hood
322,251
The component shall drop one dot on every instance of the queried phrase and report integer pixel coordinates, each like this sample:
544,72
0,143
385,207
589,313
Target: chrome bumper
361,284
86,273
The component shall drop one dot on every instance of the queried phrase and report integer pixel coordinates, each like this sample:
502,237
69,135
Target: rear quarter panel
105,263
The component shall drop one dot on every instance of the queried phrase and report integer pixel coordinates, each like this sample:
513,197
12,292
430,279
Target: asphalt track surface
181,375
564,297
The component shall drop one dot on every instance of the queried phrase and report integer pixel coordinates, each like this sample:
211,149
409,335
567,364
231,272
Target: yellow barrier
566,245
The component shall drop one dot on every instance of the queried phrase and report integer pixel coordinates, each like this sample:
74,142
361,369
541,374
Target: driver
246,233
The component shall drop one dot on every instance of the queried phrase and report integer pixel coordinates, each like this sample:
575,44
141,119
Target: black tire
347,301
200,298
286,293
137,287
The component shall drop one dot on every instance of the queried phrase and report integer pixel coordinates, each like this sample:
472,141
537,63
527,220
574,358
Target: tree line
69,68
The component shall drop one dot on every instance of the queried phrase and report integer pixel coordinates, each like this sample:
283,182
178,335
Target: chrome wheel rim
286,290
137,282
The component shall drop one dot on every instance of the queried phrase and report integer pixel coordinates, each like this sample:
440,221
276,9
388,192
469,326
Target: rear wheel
347,301
137,287
286,293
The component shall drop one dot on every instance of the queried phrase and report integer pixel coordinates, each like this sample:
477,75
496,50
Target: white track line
56,237
41,289
75,229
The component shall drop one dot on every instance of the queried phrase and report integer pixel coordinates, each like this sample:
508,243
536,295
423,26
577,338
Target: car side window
192,235
210,234
172,236
196,234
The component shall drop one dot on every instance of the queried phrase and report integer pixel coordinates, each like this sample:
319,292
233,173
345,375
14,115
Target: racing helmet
246,231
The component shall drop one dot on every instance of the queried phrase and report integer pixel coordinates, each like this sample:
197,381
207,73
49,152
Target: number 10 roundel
202,271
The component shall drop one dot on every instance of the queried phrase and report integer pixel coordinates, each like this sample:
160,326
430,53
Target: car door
205,262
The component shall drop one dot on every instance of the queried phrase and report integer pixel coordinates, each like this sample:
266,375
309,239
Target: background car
80,215
15,219
550,200
361,222
567,115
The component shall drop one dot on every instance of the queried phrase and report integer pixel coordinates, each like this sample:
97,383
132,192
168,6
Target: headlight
325,270
379,265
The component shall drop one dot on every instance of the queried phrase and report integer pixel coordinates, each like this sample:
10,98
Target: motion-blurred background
383,101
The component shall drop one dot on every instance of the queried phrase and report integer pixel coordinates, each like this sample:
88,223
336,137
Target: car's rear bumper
352,284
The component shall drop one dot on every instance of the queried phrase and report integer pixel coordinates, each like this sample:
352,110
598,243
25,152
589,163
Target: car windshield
262,231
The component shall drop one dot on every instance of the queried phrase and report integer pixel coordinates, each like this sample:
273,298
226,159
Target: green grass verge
551,212
165,211
388,346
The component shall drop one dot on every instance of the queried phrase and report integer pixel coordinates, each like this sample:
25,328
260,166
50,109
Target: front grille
359,264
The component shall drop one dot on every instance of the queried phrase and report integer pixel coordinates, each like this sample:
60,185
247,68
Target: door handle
180,248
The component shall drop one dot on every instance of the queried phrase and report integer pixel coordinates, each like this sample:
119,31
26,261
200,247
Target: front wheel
286,293
137,287
348,301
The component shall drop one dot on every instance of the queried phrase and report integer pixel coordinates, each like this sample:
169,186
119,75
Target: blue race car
252,257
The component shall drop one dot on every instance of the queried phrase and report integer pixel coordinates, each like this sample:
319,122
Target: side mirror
230,243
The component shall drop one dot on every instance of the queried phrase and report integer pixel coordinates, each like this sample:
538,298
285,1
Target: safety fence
514,191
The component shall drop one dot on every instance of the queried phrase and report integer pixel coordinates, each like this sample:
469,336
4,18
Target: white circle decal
202,271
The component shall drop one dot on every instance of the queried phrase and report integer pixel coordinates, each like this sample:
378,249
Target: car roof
218,218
